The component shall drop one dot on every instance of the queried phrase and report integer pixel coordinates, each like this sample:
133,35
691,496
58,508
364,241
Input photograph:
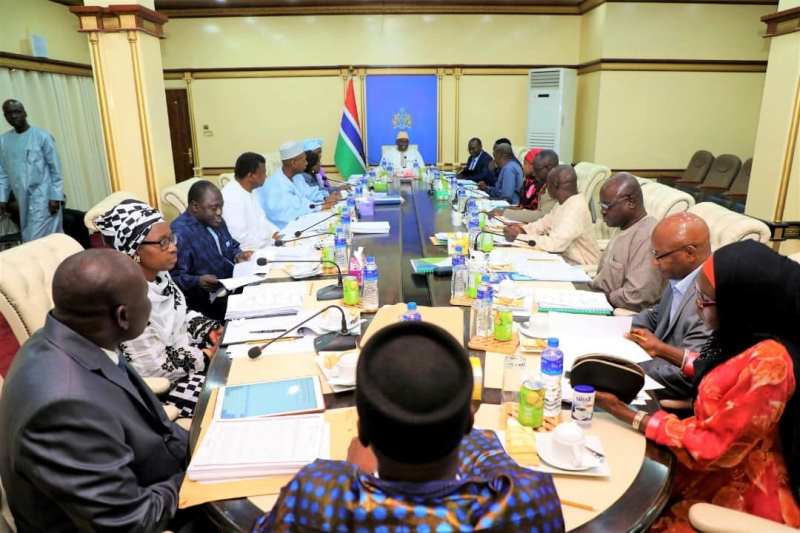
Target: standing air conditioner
551,110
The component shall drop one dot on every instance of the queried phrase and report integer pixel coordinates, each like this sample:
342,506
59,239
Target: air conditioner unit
551,110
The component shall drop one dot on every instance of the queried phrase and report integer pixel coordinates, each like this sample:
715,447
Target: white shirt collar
681,286
113,355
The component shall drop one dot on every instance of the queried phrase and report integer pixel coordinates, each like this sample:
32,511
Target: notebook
427,265
570,301
270,398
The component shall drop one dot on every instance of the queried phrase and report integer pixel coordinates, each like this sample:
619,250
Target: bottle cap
585,389
412,306
370,259
459,251
552,342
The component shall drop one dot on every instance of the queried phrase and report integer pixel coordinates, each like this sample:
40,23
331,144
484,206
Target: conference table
411,224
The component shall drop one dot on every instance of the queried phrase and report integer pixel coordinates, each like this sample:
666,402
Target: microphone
334,341
529,242
490,215
331,292
301,231
281,242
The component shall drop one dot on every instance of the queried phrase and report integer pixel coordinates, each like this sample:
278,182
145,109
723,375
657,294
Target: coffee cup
568,443
345,369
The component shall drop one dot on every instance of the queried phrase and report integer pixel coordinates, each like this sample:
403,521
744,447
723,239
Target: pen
267,331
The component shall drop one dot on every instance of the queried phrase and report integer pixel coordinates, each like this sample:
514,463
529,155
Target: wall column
774,192
125,48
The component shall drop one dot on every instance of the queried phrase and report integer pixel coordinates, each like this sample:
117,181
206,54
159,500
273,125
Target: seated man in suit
87,446
567,229
509,181
206,250
477,167
626,273
671,329
417,463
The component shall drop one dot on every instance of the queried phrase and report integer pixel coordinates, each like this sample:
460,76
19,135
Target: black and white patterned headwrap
127,224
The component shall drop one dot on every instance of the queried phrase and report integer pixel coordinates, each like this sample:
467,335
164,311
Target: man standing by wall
29,167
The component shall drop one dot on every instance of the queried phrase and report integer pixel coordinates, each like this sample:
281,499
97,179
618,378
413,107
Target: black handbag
608,374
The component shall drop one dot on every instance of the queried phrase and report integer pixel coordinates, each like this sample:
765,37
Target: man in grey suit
86,445
673,327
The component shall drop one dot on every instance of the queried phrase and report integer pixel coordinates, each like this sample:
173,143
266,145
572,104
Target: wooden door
180,132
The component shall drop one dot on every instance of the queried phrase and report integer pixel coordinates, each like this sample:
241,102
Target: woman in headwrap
175,340
741,449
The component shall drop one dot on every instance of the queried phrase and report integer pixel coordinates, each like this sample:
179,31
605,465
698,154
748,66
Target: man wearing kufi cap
280,198
417,463
402,156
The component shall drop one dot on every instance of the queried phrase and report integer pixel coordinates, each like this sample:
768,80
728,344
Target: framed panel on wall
402,103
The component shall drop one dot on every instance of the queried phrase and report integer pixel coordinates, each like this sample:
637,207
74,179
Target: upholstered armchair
26,278
224,179
708,518
728,226
660,200
175,198
591,177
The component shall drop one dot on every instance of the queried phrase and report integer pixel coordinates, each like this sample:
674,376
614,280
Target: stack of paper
305,224
272,299
566,301
552,271
235,449
370,227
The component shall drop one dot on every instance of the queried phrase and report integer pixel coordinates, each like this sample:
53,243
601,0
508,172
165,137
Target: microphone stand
331,292
333,341
317,223
529,242
281,242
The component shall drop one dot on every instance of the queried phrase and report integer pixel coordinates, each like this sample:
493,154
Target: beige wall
22,18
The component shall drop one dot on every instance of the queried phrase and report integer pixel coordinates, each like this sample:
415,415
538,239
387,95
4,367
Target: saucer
544,447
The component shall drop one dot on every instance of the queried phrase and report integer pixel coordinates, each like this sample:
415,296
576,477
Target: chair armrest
159,386
172,411
668,178
709,518
185,423
619,311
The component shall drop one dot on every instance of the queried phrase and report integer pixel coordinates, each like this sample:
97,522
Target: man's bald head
102,295
621,200
681,243
562,182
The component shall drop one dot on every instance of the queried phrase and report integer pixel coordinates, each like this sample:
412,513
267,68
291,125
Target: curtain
66,106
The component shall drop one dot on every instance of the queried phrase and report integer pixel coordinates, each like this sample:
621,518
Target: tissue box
366,207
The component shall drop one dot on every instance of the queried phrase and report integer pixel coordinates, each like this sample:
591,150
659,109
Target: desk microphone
497,218
529,242
281,242
317,223
331,292
334,341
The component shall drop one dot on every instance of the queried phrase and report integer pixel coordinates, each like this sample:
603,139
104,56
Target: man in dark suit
477,167
673,327
86,445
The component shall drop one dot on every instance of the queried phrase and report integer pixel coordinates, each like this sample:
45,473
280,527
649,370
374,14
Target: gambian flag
349,157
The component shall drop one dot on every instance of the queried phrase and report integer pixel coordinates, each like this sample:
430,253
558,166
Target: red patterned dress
729,451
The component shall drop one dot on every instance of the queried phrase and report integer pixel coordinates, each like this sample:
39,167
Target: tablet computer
270,398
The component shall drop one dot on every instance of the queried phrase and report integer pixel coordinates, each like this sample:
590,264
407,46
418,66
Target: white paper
282,347
571,325
250,268
258,447
305,221
572,299
232,284
254,329
551,271
267,299
379,227
575,346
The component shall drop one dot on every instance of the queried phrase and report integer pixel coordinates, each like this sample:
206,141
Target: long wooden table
411,225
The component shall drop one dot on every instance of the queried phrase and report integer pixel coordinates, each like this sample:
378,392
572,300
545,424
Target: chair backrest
722,172
273,163
591,177
104,206
742,179
698,167
385,148
26,276
175,198
224,179
519,151
6,518
795,257
729,226
660,200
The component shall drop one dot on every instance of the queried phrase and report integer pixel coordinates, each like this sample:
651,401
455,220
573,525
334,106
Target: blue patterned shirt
491,492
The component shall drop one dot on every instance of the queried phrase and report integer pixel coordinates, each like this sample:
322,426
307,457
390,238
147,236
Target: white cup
507,289
569,441
345,368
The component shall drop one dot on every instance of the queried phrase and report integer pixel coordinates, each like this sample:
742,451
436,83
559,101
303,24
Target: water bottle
369,291
415,166
356,270
476,327
390,169
411,314
473,229
351,207
513,371
458,281
551,370
484,325
461,197
453,188
475,268
347,229
340,248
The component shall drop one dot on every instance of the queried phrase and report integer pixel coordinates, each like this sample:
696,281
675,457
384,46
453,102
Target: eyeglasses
703,302
164,243
606,207
658,257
